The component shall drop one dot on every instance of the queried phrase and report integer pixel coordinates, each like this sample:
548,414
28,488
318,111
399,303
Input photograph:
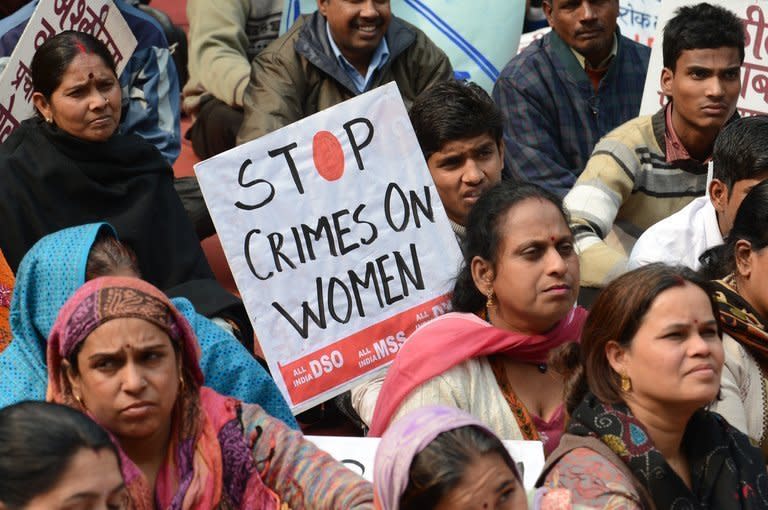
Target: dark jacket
298,74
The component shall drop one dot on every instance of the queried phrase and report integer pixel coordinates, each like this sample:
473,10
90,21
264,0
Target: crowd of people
612,300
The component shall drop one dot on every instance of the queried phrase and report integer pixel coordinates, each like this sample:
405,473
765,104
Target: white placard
99,18
754,73
479,37
337,239
358,454
637,20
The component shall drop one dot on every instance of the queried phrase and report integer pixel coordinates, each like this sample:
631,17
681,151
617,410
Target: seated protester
52,456
740,161
440,457
122,351
653,166
224,37
459,130
69,166
640,435
342,50
150,104
740,268
514,301
6,291
562,93
57,266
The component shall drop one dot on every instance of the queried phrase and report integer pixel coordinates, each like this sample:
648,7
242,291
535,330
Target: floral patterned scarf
741,321
209,463
726,470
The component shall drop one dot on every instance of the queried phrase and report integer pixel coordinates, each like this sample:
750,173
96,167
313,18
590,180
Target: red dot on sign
328,156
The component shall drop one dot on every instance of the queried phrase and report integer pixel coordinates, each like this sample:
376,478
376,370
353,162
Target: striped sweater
626,187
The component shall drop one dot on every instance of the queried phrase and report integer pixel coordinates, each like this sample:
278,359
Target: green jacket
298,74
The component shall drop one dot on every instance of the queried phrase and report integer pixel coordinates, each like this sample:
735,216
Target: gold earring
626,383
49,120
79,400
490,303
181,384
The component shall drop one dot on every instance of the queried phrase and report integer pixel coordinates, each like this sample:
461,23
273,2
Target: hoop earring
626,383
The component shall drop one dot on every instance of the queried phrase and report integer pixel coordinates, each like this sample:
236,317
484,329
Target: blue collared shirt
378,59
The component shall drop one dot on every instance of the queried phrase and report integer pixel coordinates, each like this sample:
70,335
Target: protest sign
754,72
358,454
637,20
479,37
337,240
99,18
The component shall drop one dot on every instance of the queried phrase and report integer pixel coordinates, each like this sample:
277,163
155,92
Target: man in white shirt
740,161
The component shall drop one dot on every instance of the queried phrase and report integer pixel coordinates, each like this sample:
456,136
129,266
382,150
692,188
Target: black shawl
726,470
52,180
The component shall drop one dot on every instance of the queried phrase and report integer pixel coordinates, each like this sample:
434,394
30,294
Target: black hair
453,110
37,443
53,57
741,150
439,467
750,224
108,257
483,235
701,26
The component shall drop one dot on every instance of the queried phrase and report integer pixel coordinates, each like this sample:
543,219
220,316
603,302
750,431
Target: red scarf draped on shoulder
454,338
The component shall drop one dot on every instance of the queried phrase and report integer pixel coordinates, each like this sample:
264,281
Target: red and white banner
337,239
99,18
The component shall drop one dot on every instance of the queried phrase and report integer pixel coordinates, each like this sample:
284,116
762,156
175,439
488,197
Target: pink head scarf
209,463
403,441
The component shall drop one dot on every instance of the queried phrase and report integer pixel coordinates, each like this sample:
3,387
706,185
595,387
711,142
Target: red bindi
90,76
552,238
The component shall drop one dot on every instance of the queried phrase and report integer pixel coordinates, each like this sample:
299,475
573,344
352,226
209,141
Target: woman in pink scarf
122,353
439,457
514,298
